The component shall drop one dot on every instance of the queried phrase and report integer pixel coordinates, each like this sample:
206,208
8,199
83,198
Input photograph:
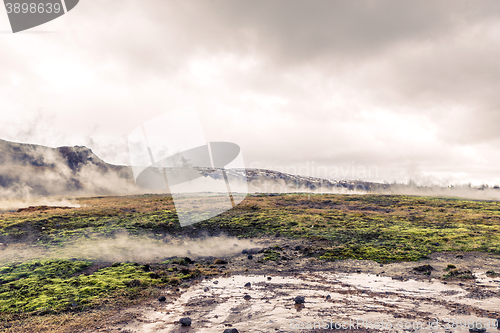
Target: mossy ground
383,228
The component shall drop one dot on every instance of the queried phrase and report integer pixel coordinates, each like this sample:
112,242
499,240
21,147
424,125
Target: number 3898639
32,8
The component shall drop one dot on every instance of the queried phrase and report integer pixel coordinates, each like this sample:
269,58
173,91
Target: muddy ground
362,295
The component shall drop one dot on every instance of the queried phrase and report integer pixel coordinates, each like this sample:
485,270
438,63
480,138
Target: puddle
356,301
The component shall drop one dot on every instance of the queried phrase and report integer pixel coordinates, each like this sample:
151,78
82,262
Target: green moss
270,255
457,274
56,285
492,274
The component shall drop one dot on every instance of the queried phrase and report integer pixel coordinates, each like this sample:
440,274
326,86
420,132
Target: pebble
269,278
216,282
328,297
247,297
299,300
248,285
231,330
250,256
185,321
162,299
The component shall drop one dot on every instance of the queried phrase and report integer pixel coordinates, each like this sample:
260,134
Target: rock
231,330
255,250
477,327
162,299
269,278
244,251
423,269
459,256
216,282
328,297
250,257
185,321
297,248
248,285
206,289
247,297
299,300
220,262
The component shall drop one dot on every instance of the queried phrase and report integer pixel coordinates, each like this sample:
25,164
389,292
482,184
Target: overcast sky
391,90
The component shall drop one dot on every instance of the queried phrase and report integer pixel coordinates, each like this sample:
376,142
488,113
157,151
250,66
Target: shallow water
357,301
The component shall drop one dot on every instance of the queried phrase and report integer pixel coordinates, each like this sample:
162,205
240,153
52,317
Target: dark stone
269,278
231,330
185,321
216,282
423,269
328,297
248,285
299,300
206,289
188,260
244,251
162,299
297,248
250,257
247,297
477,327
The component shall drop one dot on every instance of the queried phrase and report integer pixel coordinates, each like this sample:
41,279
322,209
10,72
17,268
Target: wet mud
350,295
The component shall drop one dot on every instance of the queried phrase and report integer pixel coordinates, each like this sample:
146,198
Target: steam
15,204
125,247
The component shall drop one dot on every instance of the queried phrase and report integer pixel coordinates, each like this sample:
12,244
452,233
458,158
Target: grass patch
383,228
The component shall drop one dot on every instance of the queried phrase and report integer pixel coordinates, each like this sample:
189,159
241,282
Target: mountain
35,170
28,170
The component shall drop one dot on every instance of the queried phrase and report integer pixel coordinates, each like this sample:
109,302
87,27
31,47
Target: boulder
185,321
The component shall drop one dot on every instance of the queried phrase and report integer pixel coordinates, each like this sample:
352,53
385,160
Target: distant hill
28,170
35,170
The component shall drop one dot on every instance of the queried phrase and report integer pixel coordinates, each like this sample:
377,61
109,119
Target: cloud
397,84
